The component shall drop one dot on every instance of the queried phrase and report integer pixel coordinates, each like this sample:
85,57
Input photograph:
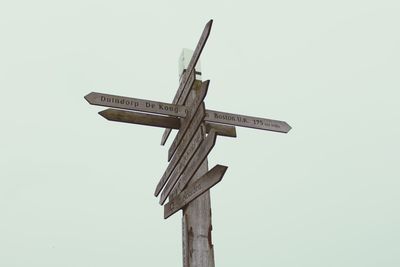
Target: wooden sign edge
215,174
197,104
190,69
210,140
134,117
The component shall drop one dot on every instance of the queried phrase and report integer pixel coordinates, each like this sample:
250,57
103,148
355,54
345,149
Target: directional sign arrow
161,121
143,105
195,108
204,183
247,121
179,161
180,97
140,118
180,181
155,107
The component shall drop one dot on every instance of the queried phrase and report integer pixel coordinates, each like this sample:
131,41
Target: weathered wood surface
185,243
195,107
247,121
198,158
161,121
200,155
195,124
140,118
180,98
183,157
221,130
197,216
149,106
136,104
179,161
204,183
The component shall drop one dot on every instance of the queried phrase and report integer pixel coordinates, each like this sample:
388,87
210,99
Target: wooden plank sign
196,106
247,121
180,100
180,97
198,158
194,190
129,103
181,111
187,154
140,118
161,121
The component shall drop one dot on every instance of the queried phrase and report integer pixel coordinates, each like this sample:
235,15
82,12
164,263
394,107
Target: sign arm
180,97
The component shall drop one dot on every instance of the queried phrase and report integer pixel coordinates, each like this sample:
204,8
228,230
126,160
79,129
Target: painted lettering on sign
181,157
182,112
204,183
136,104
121,101
247,121
229,117
196,107
133,103
179,183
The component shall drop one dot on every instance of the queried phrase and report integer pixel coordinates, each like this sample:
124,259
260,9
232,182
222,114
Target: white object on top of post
184,60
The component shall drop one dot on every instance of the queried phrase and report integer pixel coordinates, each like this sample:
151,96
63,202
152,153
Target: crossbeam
161,121
180,111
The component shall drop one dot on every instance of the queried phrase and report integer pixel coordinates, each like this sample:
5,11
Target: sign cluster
191,145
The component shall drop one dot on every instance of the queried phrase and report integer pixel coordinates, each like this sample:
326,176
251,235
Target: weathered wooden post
197,247
187,180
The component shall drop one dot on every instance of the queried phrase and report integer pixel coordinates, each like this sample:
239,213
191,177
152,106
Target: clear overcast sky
77,190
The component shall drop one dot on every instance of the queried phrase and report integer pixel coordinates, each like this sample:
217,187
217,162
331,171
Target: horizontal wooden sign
247,121
161,121
140,118
200,155
136,104
181,111
204,183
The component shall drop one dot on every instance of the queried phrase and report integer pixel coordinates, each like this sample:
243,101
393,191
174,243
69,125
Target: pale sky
77,190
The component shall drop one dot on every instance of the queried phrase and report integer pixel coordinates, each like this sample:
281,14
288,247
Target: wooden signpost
186,180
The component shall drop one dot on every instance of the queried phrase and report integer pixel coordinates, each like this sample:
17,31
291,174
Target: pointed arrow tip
289,128
220,170
104,113
88,97
209,24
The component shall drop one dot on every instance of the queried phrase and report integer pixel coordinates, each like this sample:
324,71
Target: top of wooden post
184,60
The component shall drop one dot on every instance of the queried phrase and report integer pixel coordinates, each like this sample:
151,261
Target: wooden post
198,250
196,220
197,247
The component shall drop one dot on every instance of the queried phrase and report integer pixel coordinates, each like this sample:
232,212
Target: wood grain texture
204,183
177,110
179,162
140,118
180,98
181,95
180,181
196,106
133,117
